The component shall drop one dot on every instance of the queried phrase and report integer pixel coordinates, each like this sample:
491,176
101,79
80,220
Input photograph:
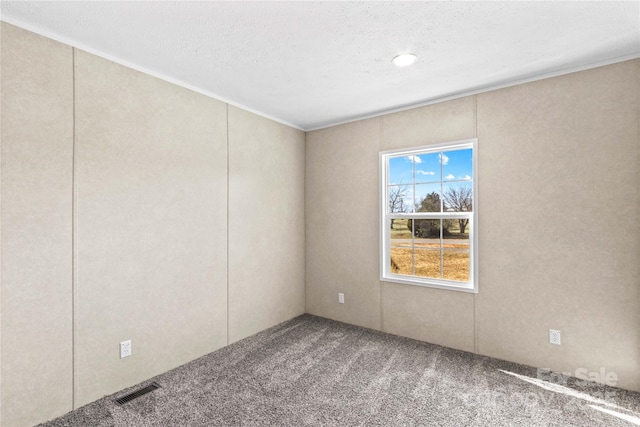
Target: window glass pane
427,167
401,249
457,165
455,254
427,263
426,229
401,260
401,231
457,230
400,198
400,170
427,247
427,198
455,265
458,196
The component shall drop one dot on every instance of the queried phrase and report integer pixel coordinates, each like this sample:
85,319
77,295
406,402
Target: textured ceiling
314,64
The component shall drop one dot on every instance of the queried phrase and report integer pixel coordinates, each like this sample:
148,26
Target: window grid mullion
413,249
432,215
413,223
440,156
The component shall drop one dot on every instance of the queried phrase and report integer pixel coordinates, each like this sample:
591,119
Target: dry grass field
455,265
425,254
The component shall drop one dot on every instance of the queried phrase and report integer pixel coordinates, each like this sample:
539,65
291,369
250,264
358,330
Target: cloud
449,177
425,172
443,158
467,177
414,159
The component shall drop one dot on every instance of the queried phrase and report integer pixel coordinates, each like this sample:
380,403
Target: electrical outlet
341,298
554,336
125,349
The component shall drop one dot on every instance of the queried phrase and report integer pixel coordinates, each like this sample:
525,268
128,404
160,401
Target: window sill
431,283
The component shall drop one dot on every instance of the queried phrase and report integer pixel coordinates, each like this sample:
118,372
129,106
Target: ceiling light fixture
404,60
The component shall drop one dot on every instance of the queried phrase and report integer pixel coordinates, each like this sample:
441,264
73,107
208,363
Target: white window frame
386,275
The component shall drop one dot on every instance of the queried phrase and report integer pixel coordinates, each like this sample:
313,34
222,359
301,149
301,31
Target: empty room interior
320,213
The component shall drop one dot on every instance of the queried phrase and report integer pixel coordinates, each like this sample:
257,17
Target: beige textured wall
558,239
558,224
266,223
36,179
143,197
150,239
342,223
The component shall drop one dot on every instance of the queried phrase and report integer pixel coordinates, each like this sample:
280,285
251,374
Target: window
428,216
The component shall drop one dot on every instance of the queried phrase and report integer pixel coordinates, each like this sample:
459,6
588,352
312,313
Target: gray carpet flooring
314,371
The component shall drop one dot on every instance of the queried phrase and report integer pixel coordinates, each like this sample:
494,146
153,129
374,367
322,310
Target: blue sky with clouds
453,168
